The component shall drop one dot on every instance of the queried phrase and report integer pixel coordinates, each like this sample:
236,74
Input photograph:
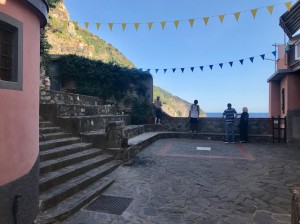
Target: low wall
293,126
256,126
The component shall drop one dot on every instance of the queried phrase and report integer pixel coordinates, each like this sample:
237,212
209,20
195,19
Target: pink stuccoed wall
274,99
282,58
19,116
293,91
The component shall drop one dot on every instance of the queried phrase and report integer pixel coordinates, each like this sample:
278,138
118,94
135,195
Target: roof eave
42,8
290,20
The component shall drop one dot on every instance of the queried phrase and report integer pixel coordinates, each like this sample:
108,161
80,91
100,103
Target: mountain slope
67,38
173,105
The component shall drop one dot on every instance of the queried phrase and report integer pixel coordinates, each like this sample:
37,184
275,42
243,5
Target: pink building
284,84
20,22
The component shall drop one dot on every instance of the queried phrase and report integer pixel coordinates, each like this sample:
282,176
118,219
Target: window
297,51
11,48
283,100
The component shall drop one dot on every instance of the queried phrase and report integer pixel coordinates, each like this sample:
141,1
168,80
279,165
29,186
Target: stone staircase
76,156
72,173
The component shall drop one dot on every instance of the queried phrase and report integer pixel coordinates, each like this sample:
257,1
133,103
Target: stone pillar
114,134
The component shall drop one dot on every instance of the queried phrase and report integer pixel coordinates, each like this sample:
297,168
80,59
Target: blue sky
202,45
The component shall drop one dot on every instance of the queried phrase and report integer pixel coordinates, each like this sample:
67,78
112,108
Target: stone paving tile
172,182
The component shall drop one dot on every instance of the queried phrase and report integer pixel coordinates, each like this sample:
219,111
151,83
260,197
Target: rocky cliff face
67,38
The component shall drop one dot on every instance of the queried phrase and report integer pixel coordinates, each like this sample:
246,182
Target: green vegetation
141,111
45,46
95,78
52,3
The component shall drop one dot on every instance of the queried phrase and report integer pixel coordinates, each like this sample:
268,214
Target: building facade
20,23
284,84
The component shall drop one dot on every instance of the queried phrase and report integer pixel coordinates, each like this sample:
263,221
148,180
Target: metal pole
275,46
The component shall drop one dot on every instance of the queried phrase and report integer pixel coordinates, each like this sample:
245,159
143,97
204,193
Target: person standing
194,115
244,125
229,115
158,110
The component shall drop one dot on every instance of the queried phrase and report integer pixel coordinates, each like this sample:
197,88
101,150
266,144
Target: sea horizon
251,115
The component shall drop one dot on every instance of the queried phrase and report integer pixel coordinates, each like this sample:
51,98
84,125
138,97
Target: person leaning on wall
194,116
229,115
158,110
244,125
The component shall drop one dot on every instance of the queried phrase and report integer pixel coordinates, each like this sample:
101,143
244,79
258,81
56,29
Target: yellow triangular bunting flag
163,25
270,8
86,24
221,17
254,11
288,5
124,26
98,26
110,26
176,23
206,20
191,22
136,25
150,25
237,16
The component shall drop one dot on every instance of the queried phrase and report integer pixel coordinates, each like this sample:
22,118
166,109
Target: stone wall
293,126
257,126
52,97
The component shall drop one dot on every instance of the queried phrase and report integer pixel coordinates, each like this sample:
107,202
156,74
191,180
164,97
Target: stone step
56,135
79,124
84,110
63,151
133,130
97,138
57,194
45,124
54,178
58,142
46,130
58,163
74,203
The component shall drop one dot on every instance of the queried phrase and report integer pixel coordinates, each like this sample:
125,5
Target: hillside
173,105
66,38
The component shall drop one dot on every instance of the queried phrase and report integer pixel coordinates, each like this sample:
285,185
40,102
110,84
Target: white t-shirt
194,111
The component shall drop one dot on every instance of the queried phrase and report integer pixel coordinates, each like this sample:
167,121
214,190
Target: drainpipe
15,208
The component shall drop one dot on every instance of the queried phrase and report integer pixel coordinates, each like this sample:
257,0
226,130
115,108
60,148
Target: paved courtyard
201,181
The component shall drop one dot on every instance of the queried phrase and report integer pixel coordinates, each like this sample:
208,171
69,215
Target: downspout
15,208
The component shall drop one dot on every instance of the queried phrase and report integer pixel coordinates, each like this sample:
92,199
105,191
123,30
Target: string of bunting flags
176,23
202,67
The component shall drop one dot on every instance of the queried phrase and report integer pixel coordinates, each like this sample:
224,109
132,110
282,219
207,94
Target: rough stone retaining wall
51,97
